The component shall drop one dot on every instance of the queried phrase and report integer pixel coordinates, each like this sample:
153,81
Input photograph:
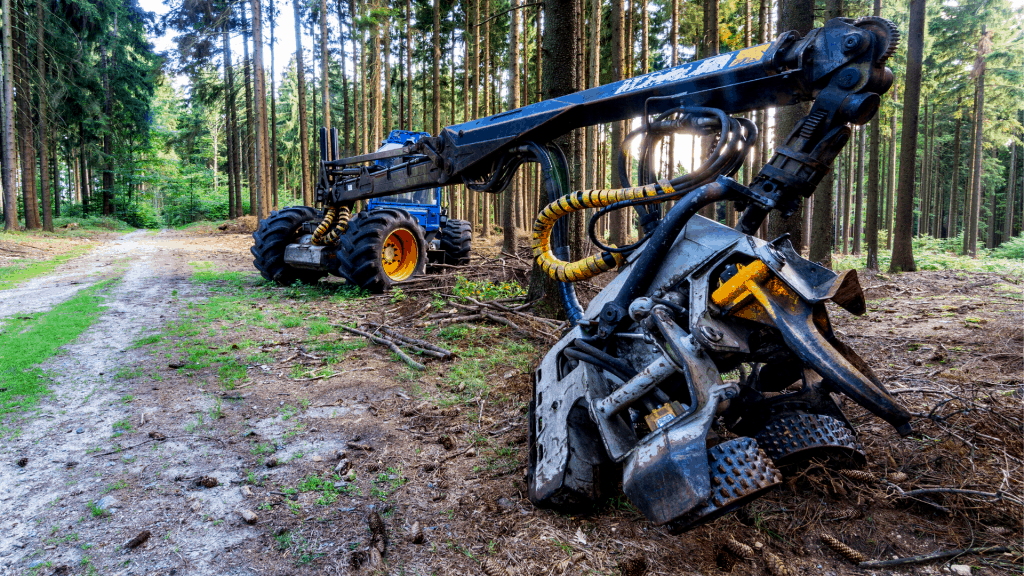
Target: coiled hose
592,265
340,225
737,136
323,227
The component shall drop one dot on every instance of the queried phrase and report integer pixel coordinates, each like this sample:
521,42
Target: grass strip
28,341
11,276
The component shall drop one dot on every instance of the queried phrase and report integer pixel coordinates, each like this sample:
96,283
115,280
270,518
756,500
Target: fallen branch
422,344
384,342
933,556
993,495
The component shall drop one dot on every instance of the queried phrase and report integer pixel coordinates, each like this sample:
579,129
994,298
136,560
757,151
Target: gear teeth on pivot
894,33
740,472
793,438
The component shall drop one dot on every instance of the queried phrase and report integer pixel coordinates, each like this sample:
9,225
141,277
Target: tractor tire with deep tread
274,234
456,241
362,246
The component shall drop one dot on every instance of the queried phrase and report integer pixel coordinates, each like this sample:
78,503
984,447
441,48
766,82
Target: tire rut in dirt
273,236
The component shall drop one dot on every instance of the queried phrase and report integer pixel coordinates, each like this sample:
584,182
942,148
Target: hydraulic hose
323,227
340,225
591,266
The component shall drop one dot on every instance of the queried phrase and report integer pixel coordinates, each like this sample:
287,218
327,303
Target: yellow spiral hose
341,225
592,265
323,227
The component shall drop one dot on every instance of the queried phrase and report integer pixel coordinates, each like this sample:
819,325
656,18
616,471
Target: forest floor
196,393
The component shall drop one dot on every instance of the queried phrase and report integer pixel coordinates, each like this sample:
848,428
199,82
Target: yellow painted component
400,254
745,294
749,55
663,415
593,265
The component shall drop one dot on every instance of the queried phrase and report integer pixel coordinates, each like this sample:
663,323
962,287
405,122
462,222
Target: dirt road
45,514
203,400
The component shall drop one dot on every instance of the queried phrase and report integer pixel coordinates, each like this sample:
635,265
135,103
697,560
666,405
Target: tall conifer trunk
903,250
307,184
43,128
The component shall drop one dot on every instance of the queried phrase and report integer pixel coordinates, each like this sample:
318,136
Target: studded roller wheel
792,438
382,247
273,235
740,473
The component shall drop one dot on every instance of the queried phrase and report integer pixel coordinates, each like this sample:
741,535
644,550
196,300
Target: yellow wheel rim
400,254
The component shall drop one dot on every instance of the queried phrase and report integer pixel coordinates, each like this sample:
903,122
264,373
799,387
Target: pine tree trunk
44,146
793,15
593,80
386,55
847,192
346,113
27,152
7,128
273,117
979,122
617,219
249,149
969,188
508,225
1010,193
260,103
874,157
436,126
408,60
858,208
890,202
955,180
307,184
903,250
325,84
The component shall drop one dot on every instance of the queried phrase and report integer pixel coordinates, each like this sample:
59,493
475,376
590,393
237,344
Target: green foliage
486,290
1012,249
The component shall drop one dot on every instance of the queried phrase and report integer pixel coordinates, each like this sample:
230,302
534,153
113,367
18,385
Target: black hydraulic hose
584,357
555,185
646,266
621,366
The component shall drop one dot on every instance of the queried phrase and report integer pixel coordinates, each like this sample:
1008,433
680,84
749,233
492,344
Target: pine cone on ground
860,475
843,550
739,548
776,567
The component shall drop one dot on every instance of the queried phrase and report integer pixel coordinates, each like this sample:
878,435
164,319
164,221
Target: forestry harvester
633,392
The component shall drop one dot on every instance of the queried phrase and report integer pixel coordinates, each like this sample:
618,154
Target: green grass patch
11,276
27,343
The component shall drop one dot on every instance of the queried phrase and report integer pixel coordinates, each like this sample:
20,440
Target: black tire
273,235
363,243
456,241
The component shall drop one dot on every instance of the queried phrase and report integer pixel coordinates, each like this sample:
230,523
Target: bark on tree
7,128
436,126
890,202
1010,193
260,103
307,184
408,60
858,214
984,46
234,176
249,150
43,126
27,149
617,219
325,84
273,114
508,207
955,180
108,136
902,248
593,80
346,111
874,157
